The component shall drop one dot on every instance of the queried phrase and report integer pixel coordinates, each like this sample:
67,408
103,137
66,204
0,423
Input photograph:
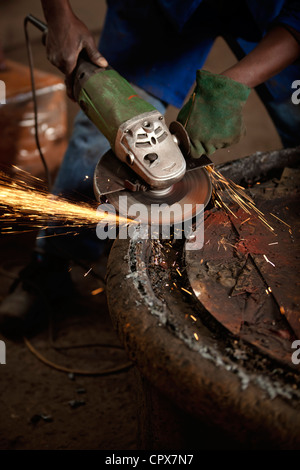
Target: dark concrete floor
28,387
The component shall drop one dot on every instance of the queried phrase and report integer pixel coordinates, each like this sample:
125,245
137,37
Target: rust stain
251,287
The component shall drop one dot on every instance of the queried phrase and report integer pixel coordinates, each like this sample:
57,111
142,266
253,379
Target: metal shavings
268,261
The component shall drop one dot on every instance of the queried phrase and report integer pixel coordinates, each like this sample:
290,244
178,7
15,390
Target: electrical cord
31,19
112,370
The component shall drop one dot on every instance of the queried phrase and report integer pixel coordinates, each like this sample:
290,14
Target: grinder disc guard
194,188
191,191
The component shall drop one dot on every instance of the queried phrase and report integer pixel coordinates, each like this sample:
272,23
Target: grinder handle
83,71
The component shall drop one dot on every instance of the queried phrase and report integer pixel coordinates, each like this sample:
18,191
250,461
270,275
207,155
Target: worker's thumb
95,56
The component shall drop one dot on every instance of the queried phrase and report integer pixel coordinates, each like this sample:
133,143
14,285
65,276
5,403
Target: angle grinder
148,161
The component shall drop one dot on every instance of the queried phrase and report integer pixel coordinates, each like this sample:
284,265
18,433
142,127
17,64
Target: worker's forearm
67,36
275,52
54,9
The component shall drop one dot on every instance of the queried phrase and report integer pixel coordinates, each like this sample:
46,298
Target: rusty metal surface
212,376
260,165
248,277
188,355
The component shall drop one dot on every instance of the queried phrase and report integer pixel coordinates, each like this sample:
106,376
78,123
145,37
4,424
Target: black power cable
42,27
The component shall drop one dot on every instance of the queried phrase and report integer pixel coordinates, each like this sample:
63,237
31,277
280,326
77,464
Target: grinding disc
184,197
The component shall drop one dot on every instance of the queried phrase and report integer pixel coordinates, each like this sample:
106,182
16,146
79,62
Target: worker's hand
66,37
213,115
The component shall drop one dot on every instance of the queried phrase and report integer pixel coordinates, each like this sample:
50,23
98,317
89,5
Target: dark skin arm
278,49
66,37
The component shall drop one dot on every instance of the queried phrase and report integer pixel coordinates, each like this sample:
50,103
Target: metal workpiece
209,374
247,278
260,165
215,379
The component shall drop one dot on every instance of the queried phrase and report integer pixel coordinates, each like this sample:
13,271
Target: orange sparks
26,204
185,290
223,188
97,291
282,221
244,221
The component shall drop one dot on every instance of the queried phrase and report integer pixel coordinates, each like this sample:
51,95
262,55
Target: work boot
25,310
